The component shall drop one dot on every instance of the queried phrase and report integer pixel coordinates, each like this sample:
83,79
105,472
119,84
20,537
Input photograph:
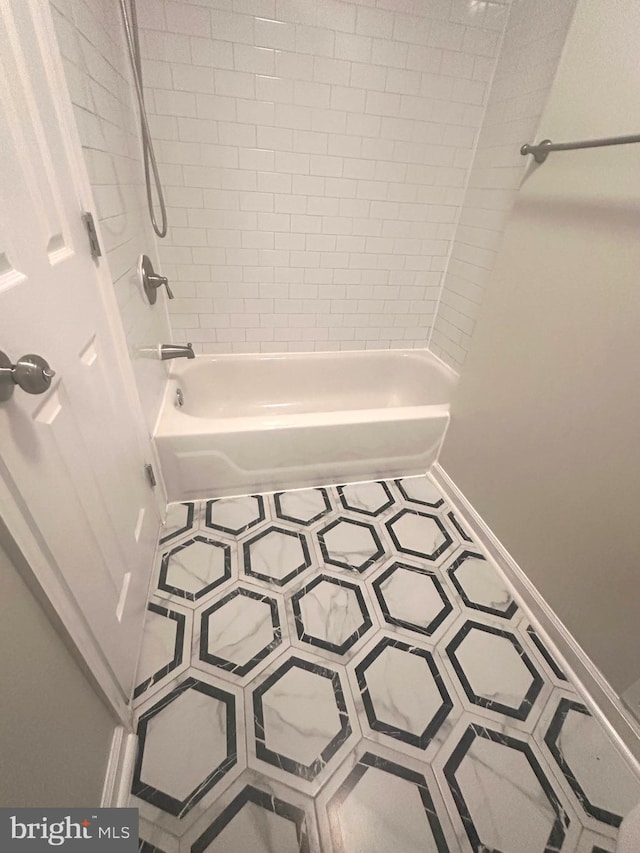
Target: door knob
150,280
31,372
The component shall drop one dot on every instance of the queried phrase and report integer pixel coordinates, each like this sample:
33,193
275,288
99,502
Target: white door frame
14,513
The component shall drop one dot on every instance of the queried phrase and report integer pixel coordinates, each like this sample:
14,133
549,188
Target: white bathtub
266,422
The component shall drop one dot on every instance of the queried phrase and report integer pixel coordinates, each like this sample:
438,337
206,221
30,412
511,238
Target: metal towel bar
541,151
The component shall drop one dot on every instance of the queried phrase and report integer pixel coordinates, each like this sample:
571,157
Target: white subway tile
315,40
167,47
257,158
345,146
367,76
292,163
255,112
296,11
408,28
379,103
480,42
188,19
276,89
374,22
208,255
239,84
210,52
426,59
215,107
168,102
329,121
233,27
352,47
232,133
258,60
294,65
403,82
222,156
256,201
326,166
337,71
197,130
336,14
331,159
389,53
273,182
275,34
275,137
312,94
347,98
294,117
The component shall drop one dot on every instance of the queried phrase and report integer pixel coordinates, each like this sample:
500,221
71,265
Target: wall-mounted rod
541,151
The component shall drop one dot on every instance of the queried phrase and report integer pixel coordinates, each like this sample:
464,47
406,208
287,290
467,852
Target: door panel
72,457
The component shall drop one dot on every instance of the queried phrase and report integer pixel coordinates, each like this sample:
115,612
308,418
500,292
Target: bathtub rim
167,408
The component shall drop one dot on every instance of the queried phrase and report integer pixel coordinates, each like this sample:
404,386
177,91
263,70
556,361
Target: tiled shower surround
341,670
315,156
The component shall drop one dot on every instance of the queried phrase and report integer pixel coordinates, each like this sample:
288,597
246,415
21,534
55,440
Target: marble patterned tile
181,517
190,743
165,647
235,515
379,801
403,699
304,507
238,633
366,498
494,670
412,598
420,490
350,544
154,839
331,614
419,534
304,720
498,787
593,842
480,586
192,569
549,661
343,669
276,555
578,746
258,815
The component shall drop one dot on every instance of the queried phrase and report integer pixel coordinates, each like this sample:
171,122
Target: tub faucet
176,351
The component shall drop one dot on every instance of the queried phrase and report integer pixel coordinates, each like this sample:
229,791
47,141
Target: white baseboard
119,775
602,699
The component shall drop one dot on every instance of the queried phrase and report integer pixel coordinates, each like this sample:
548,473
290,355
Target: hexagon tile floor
342,670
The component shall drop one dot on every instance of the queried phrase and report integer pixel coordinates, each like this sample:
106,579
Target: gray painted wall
544,433
55,731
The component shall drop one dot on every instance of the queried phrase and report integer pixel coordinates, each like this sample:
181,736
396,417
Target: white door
71,458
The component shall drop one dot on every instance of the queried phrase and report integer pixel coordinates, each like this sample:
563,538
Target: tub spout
176,351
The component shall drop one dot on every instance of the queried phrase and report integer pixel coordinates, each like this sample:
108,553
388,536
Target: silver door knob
31,372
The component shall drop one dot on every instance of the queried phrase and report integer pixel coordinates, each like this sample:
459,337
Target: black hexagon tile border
342,669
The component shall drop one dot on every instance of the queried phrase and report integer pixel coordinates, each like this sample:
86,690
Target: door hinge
94,243
151,477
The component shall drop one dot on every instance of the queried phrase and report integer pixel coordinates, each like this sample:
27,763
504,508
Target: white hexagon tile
342,669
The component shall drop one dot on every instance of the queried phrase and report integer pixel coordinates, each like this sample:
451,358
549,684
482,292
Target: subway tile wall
91,40
530,53
315,155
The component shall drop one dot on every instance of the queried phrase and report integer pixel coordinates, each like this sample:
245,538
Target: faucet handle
158,281
151,281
